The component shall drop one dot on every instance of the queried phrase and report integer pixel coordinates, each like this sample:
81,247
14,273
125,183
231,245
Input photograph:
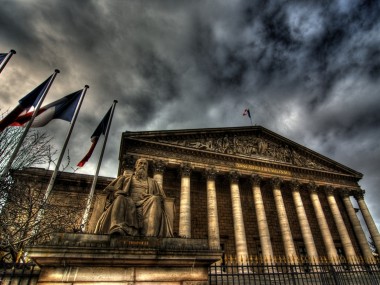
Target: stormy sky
308,70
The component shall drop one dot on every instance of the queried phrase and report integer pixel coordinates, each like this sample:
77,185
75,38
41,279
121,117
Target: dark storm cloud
306,69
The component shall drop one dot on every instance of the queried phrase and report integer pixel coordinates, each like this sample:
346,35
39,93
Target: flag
2,57
247,113
63,109
101,129
25,103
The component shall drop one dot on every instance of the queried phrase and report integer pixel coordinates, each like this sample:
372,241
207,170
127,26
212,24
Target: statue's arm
113,189
124,191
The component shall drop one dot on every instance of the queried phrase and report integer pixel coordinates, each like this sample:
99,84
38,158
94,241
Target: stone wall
73,189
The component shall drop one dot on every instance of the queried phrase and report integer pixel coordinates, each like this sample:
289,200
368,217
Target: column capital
159,166
128,162
234,176
295,185
359,194
210,173
186,169
275,182
312,187
256,179
344,192
329,190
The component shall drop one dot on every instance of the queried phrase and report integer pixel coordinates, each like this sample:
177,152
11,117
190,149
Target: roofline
248,128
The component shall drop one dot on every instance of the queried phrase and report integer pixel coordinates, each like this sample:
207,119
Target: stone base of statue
105,259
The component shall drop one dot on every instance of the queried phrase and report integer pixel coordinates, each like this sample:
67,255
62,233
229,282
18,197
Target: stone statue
137,206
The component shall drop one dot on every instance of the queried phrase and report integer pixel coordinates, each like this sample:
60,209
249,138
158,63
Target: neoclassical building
249,191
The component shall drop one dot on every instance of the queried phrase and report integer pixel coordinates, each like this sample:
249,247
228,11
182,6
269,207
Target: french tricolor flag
63,109
25,103
247,113
100,130
2,57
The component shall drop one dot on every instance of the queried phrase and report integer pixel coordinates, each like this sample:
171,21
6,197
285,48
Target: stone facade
259,179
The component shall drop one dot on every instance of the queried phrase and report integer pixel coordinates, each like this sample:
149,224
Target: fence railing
19,273
252,271
295,271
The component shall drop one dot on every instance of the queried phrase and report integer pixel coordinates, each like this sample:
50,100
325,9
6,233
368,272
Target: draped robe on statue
138,209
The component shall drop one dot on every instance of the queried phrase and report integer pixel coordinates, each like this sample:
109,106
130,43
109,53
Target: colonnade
285,230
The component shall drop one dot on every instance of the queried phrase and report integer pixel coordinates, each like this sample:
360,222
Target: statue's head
141,168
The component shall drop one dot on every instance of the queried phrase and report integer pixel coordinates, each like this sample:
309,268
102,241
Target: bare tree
36,149
21,198
19,224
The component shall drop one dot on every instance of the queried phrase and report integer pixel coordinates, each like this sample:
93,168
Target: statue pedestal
104,259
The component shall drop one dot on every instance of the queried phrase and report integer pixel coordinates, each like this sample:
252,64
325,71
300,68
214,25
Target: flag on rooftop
247,113
63,109
101,129
25,103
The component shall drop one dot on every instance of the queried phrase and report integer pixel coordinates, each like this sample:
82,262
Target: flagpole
90,196
6,59
56,170
72,123
21,140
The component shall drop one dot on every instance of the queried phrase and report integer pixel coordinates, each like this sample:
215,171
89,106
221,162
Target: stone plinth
104,259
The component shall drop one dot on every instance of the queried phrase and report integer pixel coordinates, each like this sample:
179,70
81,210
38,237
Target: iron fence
252,271
295,272
18,273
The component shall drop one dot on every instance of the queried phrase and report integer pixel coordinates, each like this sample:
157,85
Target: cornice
63,178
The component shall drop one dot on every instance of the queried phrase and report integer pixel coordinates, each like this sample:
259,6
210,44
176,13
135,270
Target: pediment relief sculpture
250,146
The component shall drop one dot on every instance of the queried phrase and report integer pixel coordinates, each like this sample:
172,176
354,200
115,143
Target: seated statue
137,206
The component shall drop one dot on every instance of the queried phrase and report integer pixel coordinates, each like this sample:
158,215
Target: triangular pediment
250,143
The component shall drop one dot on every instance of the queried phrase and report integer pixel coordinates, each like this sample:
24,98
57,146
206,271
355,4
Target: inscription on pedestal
128,242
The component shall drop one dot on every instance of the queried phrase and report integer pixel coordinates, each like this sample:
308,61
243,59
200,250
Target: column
237,214
342,230
158,171
262,224
184,208
286,233
212,211
366,251
304,223
322,223
359,196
